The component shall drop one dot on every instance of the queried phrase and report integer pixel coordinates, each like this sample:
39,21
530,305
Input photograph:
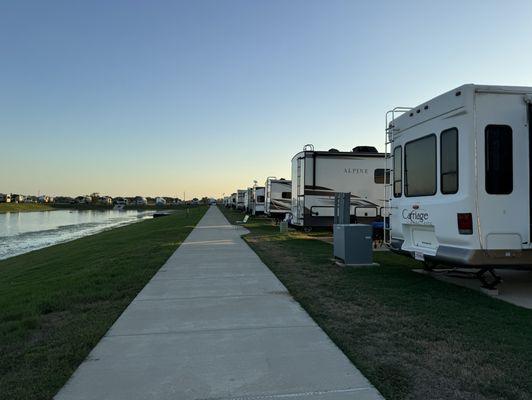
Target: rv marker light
465,223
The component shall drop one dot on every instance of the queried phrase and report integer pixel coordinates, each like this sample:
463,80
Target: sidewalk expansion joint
196,331
289,395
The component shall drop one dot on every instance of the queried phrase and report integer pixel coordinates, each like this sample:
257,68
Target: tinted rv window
420,167
378,175
397,172
286,195
499,159
449,161
260,199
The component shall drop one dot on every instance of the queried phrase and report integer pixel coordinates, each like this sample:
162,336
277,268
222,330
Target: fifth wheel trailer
240,199
257,206
461,193
278,197
318,175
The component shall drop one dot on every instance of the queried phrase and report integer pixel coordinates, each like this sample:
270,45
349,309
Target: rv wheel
307,229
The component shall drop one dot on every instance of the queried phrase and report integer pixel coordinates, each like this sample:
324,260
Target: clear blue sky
160,97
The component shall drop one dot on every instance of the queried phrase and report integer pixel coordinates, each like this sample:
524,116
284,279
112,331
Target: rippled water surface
27,231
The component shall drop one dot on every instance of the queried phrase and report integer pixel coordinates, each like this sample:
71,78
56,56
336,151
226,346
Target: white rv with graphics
462,171
257,206
240,199
278,197
318,175
248,200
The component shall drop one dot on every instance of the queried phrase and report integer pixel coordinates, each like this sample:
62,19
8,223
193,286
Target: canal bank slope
56,303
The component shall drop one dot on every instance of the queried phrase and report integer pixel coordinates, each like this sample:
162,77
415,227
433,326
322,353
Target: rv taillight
465,223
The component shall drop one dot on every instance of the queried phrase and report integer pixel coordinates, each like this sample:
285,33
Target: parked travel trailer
5,198
257,206
462,179
318,175
160,201
248,200
277,197
232,202
140,201
240,199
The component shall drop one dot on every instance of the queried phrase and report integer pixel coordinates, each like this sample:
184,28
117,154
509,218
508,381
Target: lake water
26,231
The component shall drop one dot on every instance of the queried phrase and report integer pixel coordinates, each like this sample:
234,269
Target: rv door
504,169
300,186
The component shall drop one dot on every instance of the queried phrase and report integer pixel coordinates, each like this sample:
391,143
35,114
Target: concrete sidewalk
215,323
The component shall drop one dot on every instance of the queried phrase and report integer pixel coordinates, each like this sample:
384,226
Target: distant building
5,198
105,200
160,201
63,200
140,201
17,198
43,199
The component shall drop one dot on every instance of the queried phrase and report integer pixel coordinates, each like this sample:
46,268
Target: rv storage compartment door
422,239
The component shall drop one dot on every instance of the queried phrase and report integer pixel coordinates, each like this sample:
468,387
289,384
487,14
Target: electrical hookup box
353,245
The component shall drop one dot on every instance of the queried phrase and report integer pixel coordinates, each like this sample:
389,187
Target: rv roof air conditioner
334,151
364,149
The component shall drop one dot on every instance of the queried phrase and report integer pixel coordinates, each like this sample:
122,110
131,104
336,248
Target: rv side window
499,159
420,167
449,161
397,172
378,175
286,195
260,199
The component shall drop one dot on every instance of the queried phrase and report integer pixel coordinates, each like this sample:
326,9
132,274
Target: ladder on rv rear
389,131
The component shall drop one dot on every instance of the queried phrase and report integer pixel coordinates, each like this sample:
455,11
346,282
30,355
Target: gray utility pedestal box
353,244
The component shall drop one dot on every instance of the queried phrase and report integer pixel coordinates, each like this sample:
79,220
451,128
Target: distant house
83,200
140,201
120,201
30,199
5,198
43,199
160,201
105,200
17,198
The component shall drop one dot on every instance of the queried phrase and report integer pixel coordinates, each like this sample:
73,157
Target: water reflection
27,231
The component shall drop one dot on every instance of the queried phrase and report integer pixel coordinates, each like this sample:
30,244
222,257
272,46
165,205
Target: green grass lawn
24,207
56,303
414,337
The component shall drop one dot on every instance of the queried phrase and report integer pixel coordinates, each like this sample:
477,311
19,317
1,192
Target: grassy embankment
56,303
24,207
413,336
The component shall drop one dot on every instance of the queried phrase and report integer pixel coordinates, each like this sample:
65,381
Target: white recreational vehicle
278,197
461,193
318,175
257,207
232,201
240,199
248,200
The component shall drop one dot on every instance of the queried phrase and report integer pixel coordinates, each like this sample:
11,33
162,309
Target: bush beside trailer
461,192
318,175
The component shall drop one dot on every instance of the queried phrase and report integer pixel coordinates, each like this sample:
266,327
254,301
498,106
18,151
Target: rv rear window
260,199
286,195
378,175
420,167
499,159
397,172
449,161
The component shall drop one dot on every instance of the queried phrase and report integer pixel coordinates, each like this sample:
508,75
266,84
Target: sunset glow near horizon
166,98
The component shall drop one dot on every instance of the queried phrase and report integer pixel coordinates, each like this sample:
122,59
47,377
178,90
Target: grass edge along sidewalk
412,336
57,303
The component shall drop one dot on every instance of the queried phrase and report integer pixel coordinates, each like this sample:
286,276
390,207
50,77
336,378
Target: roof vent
334,151
364,149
